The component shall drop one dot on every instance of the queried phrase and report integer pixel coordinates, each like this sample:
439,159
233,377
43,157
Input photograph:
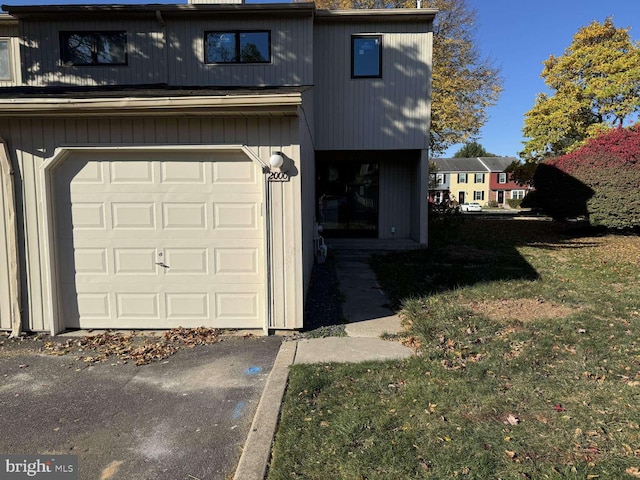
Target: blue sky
518,35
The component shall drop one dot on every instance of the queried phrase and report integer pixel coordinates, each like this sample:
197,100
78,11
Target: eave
236,105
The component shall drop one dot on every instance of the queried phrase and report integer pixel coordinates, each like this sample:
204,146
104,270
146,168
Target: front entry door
461,197
347,198
500,197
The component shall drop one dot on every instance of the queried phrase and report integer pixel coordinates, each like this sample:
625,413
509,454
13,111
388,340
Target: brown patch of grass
520,309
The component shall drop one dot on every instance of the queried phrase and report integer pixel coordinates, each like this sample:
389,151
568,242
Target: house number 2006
278,177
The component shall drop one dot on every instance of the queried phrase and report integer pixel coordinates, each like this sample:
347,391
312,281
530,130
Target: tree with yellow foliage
595,85
464,84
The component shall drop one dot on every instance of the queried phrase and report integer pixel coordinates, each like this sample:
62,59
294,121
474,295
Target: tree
464,84
595,86
472,150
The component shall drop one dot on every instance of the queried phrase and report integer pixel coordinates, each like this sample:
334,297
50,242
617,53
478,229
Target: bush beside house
598,181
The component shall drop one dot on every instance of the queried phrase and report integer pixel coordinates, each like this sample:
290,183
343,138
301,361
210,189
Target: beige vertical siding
291,46
368,113
33,141
40,51
10,32
172,53
395,196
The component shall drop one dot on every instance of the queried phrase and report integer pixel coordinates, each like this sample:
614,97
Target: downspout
7,173
267,238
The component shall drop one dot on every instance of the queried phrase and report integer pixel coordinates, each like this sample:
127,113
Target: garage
156,239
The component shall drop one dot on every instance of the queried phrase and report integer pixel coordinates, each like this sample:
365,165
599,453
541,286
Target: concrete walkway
369,316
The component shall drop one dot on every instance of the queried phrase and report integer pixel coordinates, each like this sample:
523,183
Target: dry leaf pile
132,346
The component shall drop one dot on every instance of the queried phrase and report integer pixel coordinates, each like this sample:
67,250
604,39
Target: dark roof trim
41,11
377,15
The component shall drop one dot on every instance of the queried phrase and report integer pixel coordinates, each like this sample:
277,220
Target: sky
517,35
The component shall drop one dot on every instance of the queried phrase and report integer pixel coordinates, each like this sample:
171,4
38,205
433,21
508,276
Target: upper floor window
5,63
94,48
238,47
502,178
441,178
462,178
479,178
366,56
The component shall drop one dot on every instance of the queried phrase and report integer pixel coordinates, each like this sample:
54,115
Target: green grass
528,366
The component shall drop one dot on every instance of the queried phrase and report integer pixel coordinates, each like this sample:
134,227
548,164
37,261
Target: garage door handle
162,264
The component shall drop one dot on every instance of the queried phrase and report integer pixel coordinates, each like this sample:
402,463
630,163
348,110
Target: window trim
481,199
9,76
461,176
501,176
475,178
520,191
237,60
94,34
353,57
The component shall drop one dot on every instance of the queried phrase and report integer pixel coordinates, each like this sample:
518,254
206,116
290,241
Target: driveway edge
257,449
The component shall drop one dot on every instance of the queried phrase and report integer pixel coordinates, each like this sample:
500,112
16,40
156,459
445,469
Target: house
501,187
483,180
166,165
467,178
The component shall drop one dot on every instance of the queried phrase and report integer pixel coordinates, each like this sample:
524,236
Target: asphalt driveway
185,417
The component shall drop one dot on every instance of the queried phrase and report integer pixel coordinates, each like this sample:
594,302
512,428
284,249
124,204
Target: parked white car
470,207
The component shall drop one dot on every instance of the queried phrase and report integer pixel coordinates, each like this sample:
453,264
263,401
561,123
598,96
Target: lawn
528,365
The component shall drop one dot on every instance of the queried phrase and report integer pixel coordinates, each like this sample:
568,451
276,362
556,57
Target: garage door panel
136,172
192,173
185,215
153,241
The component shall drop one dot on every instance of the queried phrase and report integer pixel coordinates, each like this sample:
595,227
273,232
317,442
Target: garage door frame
51,290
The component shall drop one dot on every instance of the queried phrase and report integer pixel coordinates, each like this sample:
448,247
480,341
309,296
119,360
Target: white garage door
160,240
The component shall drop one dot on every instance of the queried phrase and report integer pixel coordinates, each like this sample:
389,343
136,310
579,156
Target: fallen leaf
510,453
559,408
633,471
511,420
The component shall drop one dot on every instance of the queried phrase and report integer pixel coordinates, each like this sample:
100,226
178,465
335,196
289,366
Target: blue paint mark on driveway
237,412
252,371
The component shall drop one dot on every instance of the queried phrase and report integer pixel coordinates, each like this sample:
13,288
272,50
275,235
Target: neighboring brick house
501,187
481,180
165,165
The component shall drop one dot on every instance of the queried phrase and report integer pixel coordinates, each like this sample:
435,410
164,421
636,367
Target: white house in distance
166,165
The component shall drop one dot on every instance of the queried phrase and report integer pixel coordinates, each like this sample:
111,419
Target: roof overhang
285,104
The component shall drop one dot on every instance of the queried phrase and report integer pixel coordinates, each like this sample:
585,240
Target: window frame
481,192
502,177
520,192
9,76
475,178
353,56
441,179
237,44
65,34
462,178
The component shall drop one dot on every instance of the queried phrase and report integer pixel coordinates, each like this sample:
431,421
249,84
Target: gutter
282,104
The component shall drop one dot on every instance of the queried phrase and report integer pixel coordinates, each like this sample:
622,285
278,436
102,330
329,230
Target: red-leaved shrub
600,181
